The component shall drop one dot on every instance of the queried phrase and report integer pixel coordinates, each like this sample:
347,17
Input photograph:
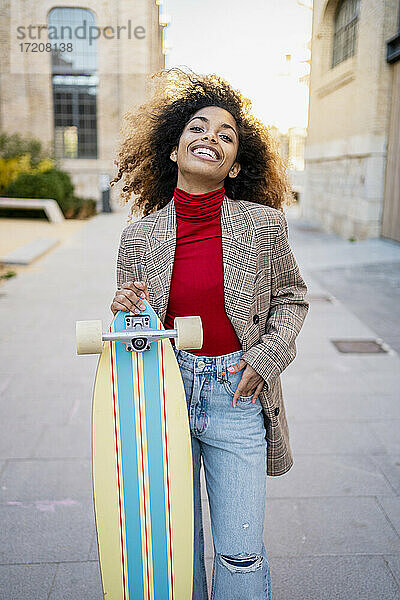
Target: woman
213,241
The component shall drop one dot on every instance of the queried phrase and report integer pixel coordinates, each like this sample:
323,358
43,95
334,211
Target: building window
344,40
75,119
75,82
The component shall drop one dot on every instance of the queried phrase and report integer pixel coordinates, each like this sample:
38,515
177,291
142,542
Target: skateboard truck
137,335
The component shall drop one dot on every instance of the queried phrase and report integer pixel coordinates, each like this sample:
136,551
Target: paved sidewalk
18,233
332,527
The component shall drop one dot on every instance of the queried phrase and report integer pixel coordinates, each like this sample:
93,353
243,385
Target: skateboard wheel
89,337
139,344
190,333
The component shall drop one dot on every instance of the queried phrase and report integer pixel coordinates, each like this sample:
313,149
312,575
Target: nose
207,136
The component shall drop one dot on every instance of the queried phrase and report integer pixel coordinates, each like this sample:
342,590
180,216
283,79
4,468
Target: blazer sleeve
123,272
130,256
288,309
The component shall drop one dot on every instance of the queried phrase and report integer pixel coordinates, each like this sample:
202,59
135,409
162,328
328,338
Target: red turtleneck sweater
197,284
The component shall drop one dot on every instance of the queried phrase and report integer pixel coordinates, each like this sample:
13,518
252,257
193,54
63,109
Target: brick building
352,153
69,73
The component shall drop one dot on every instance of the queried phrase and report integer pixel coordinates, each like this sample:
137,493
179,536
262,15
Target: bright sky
246,42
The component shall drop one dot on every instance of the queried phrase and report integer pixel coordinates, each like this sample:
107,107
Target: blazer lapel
240,264
159,258
239,261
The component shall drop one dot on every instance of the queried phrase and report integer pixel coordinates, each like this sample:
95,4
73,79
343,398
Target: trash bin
104,184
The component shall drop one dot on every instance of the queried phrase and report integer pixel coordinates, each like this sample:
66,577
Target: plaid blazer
264,294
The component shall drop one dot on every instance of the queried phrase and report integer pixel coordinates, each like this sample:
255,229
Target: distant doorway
391,203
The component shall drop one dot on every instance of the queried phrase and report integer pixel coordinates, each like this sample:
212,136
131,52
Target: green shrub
36,185
15,146
65,180
27,171
22,155
85,207
53,184
7,275
33,186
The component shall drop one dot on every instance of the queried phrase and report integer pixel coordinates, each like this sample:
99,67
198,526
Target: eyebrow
225,125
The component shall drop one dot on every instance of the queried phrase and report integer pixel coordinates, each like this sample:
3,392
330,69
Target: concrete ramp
27,253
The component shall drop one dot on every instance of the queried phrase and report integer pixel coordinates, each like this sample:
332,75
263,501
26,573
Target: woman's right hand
128,298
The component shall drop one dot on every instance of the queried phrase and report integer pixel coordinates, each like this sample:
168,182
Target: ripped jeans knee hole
242,562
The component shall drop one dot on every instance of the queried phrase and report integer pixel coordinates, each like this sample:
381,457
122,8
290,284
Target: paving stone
66,441
26,582
80,411
384,365
5,380
336,323
327,251
209,567
345,406
94,551
393,562
332,578
390,466
391,506
352,285
323,381
45,532
29,252
208,539
341,411
338,475
76,380
17,440
387,432
334,437
77,580
335,526
46,480
41,409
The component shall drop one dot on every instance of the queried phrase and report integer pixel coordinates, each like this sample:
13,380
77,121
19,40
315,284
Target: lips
206,152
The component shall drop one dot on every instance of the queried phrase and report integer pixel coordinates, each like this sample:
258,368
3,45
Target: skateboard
141,455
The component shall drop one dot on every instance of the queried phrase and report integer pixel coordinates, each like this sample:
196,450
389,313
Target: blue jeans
231,442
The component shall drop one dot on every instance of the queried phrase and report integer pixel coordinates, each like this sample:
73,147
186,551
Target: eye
227,136
195,127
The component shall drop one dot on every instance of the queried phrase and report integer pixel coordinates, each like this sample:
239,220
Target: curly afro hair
155,127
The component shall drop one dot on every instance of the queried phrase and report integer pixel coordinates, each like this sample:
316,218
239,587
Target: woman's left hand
250,380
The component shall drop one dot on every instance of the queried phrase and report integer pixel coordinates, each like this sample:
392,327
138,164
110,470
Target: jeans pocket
230,386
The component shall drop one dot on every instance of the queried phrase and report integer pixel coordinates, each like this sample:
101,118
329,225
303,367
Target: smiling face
207,150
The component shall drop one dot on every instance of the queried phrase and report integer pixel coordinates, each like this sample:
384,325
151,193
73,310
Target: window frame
345,33
76,112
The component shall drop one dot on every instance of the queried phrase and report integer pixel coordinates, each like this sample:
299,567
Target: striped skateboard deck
142,471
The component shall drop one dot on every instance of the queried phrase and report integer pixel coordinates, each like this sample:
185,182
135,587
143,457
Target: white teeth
205,151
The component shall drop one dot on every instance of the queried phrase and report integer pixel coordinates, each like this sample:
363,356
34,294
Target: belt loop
219,361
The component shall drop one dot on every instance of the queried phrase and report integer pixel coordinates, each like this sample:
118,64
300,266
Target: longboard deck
142,471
